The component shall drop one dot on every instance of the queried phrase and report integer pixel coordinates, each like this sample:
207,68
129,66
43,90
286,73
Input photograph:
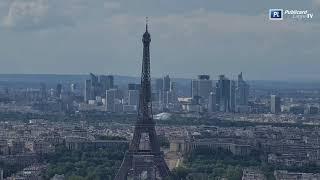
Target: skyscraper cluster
242,95
132,100
232,96
164,94
96,87
101,92
227,96
201,89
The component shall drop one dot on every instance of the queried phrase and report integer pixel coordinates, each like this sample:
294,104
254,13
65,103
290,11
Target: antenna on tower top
147,21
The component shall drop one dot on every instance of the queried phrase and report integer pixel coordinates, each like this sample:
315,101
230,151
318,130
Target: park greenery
87,164
219,163
215,164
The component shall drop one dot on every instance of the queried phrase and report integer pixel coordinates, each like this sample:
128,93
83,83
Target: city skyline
211,90
203,38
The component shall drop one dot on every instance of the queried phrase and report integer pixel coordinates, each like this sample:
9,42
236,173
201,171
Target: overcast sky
189,37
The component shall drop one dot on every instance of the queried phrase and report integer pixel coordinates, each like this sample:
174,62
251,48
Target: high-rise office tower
202,87
166,83
159,84
94,80
242,95
223,98
133,97
158,95
73,87
167,97
103,81
173,97
87,91
232,96
110,82
194,88
167,94
275,104
110,100
134,86
59,90
106,82
94,87
144,155
162,89
212,102
133,94
43,91
173,86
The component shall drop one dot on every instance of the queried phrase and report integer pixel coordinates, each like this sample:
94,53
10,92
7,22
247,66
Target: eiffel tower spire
144,157
147,21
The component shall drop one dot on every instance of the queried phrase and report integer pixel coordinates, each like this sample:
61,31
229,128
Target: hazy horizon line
136,76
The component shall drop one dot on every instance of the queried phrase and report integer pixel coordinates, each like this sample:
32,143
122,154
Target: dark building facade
275,104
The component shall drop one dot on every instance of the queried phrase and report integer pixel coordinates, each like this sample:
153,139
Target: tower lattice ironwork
144,160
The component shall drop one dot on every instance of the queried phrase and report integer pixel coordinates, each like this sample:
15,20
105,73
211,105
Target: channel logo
276,14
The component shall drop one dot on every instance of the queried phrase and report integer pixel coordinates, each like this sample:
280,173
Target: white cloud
26,13
33,14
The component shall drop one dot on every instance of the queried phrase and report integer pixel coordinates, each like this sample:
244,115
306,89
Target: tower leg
124,169
162,167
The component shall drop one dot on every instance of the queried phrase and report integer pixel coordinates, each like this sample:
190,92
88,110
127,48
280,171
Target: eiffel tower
144,160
